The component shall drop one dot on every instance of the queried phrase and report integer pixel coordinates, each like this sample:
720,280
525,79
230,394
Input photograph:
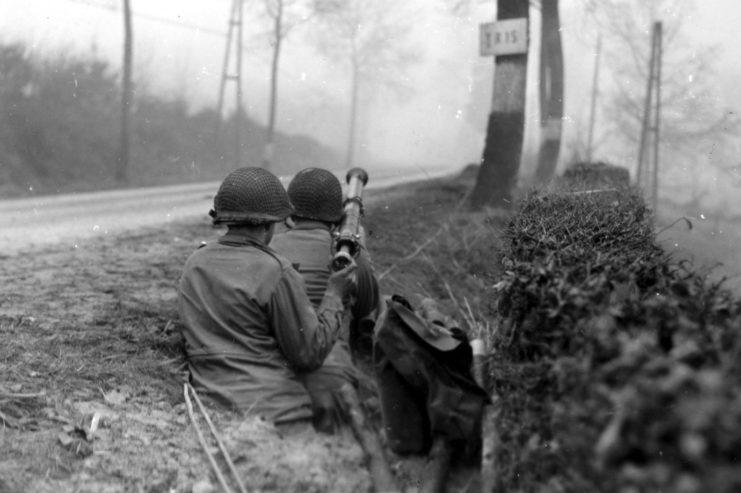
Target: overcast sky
179,48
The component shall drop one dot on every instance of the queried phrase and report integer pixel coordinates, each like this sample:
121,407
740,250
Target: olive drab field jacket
309,246
249,328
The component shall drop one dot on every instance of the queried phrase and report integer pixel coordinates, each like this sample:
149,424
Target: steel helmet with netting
316,193
250,196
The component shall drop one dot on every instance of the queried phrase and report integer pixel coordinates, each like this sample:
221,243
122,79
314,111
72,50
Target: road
73,218
711,245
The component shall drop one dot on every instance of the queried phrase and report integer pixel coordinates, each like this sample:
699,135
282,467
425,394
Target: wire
155,18
188,389
202,440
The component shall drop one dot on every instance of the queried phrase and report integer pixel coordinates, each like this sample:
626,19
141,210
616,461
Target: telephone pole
233,38
593,104
647,173
551,91
507,40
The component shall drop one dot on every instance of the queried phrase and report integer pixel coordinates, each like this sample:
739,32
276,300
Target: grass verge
94,330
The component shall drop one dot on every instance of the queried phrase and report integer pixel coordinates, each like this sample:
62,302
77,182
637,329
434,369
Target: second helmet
316,193
250,195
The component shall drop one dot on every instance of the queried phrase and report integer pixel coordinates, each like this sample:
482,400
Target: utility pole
593,104
551,91
124,153
235,24
647,173
507,40
269,150
658,38
354,92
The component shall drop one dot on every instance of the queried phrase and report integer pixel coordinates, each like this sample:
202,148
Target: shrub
617,367
60,131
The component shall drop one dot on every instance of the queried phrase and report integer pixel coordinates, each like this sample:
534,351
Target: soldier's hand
343,281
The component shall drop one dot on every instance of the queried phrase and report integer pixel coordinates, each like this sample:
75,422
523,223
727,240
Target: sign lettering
507,37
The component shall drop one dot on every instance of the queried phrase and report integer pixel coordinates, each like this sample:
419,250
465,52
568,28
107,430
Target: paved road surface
711,245
72,218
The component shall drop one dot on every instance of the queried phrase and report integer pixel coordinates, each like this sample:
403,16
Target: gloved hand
330,412
343,282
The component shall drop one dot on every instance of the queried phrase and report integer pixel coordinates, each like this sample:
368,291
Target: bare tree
692,121
285,15
551,91
122,170
372,38
500,162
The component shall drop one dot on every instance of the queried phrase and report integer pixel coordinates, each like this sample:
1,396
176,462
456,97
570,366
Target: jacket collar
304,224
238,239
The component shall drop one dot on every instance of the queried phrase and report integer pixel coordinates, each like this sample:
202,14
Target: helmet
316,194
252,196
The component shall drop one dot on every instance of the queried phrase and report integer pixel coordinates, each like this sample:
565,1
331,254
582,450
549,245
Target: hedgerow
60,131
617,368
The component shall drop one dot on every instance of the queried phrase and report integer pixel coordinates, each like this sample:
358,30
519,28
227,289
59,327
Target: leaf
8,421
75,444
203,486
116,397
65,439
88,425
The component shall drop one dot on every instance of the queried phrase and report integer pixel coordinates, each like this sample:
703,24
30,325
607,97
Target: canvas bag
424,379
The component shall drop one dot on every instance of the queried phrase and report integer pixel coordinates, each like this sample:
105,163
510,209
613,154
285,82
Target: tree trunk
593,103
350,153
122,170
551,92
238,114
501,158
270,136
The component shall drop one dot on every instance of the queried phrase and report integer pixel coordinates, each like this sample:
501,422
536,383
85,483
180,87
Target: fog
99,309
179,49
435,116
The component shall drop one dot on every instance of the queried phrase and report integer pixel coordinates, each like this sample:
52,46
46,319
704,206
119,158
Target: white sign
507,37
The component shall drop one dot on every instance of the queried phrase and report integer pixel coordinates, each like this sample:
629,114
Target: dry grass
95,330
427,244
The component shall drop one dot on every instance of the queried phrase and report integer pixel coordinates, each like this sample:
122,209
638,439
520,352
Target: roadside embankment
617,368
92,330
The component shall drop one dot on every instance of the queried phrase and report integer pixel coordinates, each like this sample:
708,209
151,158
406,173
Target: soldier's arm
305,336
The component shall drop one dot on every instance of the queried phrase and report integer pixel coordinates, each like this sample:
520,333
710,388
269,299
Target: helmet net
316,193
251,195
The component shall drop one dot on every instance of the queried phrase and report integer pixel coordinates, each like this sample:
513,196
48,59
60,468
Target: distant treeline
60,131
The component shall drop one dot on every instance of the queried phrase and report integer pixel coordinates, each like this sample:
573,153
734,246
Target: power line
111,7
92,3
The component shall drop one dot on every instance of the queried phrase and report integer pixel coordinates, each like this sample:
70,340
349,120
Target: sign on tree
507,37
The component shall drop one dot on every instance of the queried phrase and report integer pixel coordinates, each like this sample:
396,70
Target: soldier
316,195
249,326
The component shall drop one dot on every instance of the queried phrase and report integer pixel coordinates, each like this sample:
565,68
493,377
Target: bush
60,131
617,368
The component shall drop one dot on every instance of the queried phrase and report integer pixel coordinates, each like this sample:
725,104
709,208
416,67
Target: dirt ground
91,366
